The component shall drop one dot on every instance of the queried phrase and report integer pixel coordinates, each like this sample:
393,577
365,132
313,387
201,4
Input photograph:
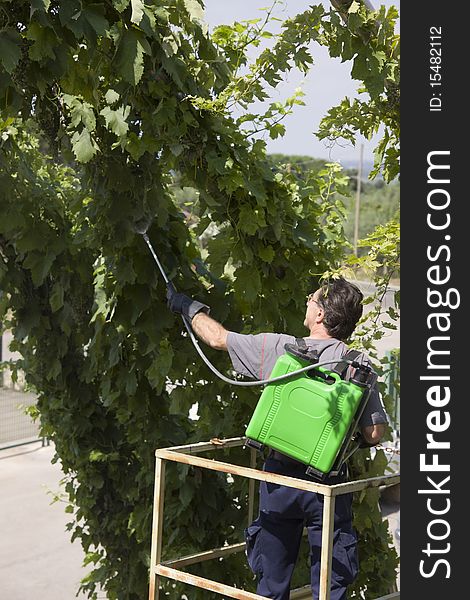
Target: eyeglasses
310,298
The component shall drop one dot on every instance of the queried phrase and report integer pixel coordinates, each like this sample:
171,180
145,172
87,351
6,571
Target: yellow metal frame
187,455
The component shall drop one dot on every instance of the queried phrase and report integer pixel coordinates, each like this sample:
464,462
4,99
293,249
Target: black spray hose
207,361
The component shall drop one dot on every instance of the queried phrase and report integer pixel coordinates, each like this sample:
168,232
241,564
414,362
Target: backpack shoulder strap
313,355
301,350
342,367
301,343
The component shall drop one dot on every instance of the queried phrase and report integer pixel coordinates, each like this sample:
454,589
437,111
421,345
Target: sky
327,83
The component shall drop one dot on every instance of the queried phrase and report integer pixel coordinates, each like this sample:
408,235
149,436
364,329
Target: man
273,539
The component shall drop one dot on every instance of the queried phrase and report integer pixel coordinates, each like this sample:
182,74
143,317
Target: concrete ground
37,560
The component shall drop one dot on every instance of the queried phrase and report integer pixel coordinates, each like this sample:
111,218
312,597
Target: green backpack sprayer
313,416
305,411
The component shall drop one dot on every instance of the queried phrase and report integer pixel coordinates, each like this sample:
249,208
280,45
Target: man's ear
319,314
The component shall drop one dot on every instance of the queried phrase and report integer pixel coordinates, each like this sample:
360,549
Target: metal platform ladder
188,455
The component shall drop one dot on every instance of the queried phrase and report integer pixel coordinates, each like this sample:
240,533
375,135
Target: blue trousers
273,539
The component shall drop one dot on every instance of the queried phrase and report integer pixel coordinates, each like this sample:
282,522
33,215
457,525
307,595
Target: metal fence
16,426
393,386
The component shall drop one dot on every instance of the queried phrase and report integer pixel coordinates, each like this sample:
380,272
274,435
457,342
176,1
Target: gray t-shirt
255,356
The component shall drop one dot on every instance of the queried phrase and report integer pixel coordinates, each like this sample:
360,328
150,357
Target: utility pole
358,197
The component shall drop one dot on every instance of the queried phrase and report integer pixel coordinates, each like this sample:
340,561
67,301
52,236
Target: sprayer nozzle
141,226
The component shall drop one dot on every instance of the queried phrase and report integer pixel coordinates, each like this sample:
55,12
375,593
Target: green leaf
96,456
90,21
10,50
111,96
116,119
137,11
80,112
176,149
129,60
40,265
148,22
45,40
54,369
83,146
177,401
57,297
195,9
354,8
360,68
39,5
380,56
247,283
131,384
304,234
247,221
161,14
121,5
276,130
267,254
186,493
96,480
158,370
94,15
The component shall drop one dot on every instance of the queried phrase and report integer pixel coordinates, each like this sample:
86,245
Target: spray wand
141,227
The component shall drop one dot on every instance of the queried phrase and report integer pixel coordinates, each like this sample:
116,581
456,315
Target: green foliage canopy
100,102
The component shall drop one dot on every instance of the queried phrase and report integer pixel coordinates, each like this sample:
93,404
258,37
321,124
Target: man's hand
209,331
371,435
184,305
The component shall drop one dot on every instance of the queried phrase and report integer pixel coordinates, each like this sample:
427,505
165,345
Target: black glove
184,305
